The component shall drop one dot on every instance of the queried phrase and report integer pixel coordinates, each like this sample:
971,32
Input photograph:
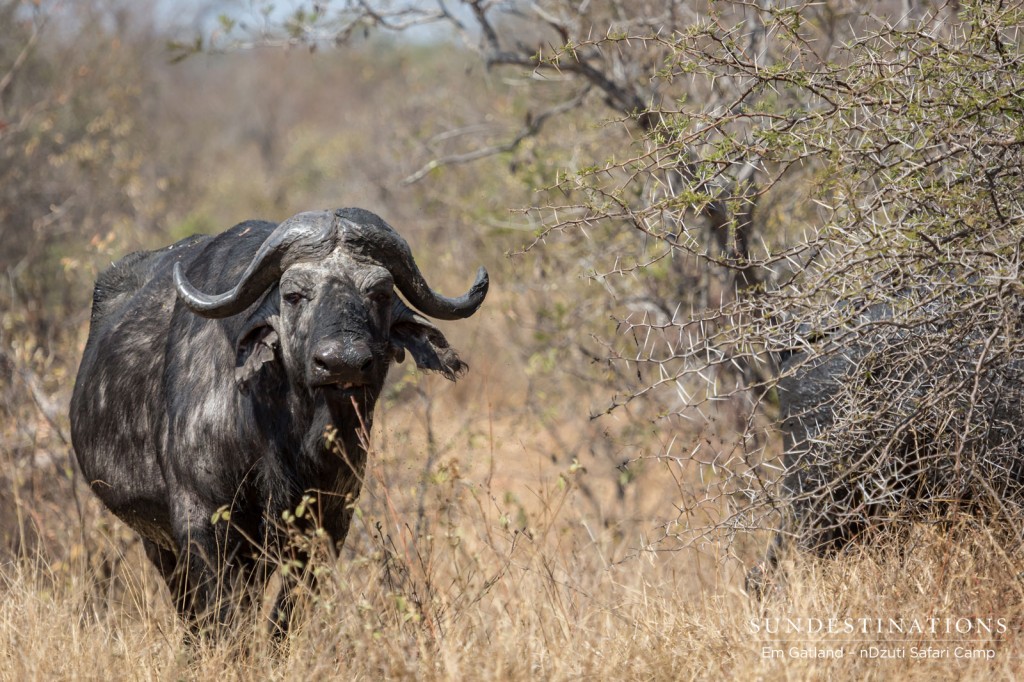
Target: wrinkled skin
178,415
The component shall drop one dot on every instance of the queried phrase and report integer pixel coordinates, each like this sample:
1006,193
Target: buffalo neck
323,450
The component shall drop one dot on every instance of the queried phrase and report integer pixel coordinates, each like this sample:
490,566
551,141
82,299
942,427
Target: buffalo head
327,309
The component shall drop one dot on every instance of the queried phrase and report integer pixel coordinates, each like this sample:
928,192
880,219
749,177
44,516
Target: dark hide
176,416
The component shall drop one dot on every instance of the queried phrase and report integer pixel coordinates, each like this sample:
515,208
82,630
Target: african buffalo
895,417
232,375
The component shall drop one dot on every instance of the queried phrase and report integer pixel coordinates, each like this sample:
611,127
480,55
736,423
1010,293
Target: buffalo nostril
327,357
342,361
322,359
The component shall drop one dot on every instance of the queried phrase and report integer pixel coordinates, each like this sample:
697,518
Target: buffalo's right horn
302,237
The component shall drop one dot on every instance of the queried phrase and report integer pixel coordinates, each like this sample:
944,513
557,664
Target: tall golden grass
474,557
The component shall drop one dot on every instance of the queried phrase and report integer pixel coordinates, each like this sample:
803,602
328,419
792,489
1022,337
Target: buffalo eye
380,297
293,298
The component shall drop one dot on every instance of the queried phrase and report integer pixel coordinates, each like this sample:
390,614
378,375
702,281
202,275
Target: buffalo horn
301,237
367,234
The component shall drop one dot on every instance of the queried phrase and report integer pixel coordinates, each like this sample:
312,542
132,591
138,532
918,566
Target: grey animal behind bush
216,372
900,417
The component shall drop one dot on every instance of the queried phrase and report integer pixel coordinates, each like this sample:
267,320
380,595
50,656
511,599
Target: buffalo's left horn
366,233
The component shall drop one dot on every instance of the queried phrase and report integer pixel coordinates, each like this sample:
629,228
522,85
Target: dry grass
495,540
511,571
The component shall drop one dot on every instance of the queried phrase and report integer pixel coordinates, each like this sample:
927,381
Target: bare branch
534,123
19,61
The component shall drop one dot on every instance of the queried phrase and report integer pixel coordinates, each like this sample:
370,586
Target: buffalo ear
427,345
257,342
254,350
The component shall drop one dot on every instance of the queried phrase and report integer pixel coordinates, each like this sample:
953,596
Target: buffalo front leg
187,580
299,575
210,575
763,577
166,562
296,575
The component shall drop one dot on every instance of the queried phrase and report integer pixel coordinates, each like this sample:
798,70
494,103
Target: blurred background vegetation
595,158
